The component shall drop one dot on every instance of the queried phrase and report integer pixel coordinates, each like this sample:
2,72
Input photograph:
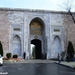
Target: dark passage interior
37,44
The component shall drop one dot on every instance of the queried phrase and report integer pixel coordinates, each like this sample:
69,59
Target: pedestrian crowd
69,57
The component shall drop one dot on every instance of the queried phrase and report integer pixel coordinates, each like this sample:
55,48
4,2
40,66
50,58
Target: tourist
24,55
59,58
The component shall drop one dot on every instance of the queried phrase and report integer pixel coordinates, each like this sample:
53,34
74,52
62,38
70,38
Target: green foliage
1,49
62,55
70,48
33,53
15,56
8,55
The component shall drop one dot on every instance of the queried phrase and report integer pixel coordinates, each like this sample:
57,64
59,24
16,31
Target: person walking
24,55
59,58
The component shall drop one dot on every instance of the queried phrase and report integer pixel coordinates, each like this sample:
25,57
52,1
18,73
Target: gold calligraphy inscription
35,28
35,25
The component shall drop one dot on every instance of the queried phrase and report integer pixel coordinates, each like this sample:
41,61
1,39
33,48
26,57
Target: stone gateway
49,31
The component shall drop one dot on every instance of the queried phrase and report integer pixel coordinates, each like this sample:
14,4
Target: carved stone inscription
35,28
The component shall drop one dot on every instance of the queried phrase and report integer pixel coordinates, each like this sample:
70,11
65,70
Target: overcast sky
33,4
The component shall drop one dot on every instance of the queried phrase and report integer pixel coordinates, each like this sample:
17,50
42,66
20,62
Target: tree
70,48
33,53
1,49
68,6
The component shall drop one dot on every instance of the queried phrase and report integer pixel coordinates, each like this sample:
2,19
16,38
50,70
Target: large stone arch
38,23
16,45
57,47
37,31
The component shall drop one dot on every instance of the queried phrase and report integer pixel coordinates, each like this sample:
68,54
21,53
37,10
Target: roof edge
32,10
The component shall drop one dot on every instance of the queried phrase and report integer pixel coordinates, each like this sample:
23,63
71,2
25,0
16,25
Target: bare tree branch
72,16
68,5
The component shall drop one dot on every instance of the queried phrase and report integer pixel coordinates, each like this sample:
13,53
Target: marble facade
49,29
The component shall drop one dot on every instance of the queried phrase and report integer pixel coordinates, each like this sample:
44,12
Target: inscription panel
35,28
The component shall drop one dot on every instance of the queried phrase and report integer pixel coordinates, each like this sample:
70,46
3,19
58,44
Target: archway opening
37,51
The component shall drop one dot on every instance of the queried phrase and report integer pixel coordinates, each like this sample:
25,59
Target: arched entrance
37,32
38,48
17,45
37,37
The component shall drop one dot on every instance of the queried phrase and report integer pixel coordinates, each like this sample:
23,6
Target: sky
33,4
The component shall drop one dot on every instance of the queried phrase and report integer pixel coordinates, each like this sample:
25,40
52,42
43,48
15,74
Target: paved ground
69,64
36,67
30,61
72,64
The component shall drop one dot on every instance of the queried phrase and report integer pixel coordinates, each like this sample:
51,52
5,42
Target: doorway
38,50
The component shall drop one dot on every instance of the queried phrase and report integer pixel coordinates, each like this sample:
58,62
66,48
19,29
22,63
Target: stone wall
56,19
19,17
64,20
4,30
69,27
16,17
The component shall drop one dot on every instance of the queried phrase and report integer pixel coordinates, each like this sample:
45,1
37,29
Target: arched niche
16,45
56,47
37,26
